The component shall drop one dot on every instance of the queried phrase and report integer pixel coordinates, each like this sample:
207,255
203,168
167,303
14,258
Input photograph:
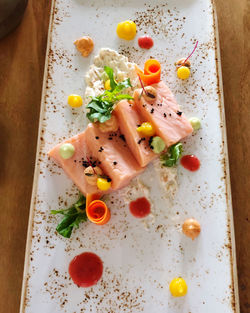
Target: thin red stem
191,52
142,84
90,164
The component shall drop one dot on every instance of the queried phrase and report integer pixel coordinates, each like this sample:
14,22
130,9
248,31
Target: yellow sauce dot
75,101
126,30
103,184
146,129
178,287
183,72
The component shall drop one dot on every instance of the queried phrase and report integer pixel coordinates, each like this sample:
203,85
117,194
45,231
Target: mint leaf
73,216
101,107
173,154
109,71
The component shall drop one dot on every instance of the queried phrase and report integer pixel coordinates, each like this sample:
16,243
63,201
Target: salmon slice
113,153
129,119
164,114
74,167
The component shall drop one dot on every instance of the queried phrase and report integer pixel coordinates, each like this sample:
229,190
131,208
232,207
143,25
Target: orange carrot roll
97,212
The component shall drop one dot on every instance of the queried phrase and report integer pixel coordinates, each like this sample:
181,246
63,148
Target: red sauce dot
145,42
86,269
190,162
140,207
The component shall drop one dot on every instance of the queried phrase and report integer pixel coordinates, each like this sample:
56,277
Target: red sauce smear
145,42
190,162
86,269
140,207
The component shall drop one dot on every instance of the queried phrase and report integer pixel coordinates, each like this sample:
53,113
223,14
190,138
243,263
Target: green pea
195,122
67,150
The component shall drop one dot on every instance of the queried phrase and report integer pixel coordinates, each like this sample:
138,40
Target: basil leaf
176,150
101,107
96,107
104,118
173,154
109,71
73,216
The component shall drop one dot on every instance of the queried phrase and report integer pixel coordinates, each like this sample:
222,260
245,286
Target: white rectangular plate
139,263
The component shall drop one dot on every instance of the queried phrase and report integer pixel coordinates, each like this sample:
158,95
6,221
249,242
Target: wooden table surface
22,55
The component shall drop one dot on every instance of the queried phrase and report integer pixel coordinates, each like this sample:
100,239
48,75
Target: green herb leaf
73,216
173,154
120,97
109,71
101,107
123,85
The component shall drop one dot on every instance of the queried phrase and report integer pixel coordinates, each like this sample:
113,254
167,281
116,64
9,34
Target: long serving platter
139,259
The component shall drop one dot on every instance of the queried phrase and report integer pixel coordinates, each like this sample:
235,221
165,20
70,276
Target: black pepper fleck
122,137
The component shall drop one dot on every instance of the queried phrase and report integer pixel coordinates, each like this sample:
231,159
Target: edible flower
97,212
101,107
152,72
178,287
126,30
73,216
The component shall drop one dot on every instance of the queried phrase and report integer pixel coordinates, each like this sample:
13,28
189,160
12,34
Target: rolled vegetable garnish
91,197
97,212
152,72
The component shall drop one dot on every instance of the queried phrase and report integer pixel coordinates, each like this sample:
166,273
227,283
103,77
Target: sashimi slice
113,153
164,113
129,119
73,167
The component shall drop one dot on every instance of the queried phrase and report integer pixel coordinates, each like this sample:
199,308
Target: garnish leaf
173,154
109,71
101,107
73,216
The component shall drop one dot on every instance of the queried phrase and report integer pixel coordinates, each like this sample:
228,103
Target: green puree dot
158,144
195,122
67,150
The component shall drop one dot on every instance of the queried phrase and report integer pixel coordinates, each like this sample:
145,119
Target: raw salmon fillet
73,167
129,119
164,114
112,151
